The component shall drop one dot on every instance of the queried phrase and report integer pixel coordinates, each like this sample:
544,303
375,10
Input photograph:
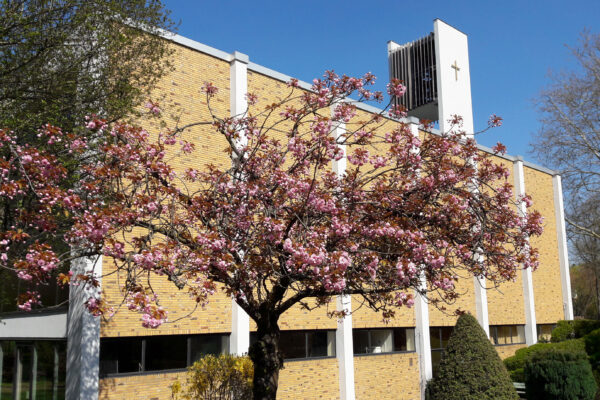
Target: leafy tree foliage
559,375
61,60
569,137
585,276
277,227
223,377
471,368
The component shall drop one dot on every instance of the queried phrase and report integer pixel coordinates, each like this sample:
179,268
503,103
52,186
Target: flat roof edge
192,44
176,38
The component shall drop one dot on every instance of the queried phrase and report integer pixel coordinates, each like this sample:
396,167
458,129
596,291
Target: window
544,332
33,369
383,340
307,344
201,345
157,353
438,337
304,344
121,355
165,352
507,334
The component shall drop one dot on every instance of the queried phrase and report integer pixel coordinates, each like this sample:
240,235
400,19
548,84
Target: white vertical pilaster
422,341
530,321
240,321
344,349
563,253
83,336
481,304
344,346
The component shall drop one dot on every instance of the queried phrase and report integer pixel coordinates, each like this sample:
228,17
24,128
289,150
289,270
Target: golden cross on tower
456,69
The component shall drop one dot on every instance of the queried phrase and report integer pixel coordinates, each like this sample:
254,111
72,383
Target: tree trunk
267,359
597,297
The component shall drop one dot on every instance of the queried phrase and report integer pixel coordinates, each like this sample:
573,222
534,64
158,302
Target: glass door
24,372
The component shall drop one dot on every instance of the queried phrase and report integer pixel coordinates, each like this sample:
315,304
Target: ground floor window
367,341
544,332
507,334
305,343
33,369
157,353
438,338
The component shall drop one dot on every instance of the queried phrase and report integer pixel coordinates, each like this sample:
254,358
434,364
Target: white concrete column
239,341
563,253
481,304
344,346
344,349
83,336
422,341
530,321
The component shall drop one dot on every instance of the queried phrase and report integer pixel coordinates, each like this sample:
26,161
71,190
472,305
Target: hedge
558,374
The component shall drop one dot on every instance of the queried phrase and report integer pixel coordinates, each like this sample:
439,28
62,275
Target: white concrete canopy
29,326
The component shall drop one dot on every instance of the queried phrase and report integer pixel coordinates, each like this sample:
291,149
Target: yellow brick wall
182,103
268,92
506,305
547,290
309,379
139,387
508,350
364,317
387,376
465,302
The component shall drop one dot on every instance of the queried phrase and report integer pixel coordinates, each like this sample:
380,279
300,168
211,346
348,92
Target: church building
71,354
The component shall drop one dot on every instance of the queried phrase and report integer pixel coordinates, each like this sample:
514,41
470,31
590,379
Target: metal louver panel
415,64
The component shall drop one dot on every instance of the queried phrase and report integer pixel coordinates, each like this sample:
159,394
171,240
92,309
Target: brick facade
386,376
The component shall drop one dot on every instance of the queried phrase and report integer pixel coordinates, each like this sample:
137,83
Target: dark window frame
440,336
143,347
306,341
494,334
369,330
538,329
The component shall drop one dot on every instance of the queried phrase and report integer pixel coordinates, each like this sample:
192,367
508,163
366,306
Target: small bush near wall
471,368
559,375
223,377
516,363
576,329
564,330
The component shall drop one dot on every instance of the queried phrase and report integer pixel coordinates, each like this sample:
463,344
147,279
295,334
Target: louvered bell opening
415,64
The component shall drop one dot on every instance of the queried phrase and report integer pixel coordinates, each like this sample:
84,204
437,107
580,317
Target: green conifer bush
559,375
471,368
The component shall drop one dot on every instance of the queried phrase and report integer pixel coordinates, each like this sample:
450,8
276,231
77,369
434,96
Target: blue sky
513,45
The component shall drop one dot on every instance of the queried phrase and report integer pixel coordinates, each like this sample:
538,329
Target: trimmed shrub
223,377
592,348
576,329
516,364
471,368
564,330
559,375
584,327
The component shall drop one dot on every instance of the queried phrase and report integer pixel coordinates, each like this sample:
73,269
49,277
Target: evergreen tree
471,368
